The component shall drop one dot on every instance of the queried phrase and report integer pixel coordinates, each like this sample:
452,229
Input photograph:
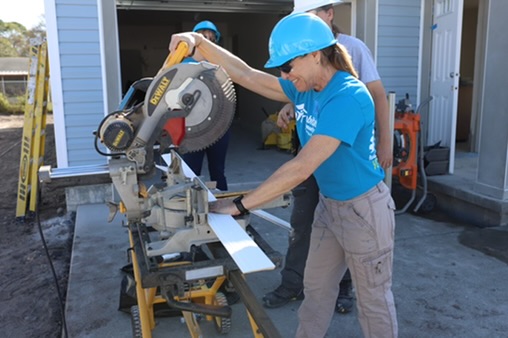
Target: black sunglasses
286,67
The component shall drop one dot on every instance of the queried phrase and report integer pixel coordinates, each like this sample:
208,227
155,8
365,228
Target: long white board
244,251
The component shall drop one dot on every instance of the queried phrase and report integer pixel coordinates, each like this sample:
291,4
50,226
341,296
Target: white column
492,179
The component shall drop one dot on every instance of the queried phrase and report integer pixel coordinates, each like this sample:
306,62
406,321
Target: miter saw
186,107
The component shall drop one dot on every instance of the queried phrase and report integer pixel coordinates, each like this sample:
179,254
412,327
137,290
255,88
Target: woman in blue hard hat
305,202
354,220
216,153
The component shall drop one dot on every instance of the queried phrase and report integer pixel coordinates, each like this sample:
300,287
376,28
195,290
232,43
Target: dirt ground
29,301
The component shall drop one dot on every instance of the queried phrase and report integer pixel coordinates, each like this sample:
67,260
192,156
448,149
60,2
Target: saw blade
213,113
201,92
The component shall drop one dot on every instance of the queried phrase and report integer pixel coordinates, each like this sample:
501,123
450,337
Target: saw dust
29,302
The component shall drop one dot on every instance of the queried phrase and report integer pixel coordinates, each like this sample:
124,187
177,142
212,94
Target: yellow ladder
34,129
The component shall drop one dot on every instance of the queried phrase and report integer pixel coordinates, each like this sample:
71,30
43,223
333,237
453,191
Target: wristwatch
239,205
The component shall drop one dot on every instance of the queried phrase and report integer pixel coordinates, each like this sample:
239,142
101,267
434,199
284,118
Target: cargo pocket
378,270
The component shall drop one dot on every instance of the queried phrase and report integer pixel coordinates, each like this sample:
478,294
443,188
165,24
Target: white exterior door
444,85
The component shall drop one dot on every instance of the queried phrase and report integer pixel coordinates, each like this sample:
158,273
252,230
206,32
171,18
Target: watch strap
239,205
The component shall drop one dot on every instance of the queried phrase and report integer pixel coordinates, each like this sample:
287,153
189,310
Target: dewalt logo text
161,88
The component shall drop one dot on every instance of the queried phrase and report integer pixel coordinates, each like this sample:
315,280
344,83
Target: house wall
398,46
76,78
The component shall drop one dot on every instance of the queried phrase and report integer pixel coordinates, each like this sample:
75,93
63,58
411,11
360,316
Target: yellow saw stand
192,287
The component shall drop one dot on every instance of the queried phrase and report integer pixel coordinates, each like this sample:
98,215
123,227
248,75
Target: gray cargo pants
358,234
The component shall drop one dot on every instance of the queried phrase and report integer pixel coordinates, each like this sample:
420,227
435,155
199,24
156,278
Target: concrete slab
98,254
449,278
88,194
457,195
442,288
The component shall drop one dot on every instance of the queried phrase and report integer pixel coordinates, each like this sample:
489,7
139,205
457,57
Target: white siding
81,89
398,46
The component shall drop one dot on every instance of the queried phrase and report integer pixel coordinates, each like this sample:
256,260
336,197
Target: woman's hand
285,115
224,206
385,154
193,40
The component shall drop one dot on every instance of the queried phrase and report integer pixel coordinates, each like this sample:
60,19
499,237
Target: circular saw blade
213,112
204,93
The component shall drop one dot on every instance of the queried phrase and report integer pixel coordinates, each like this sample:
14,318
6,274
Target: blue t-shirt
343,110
189,60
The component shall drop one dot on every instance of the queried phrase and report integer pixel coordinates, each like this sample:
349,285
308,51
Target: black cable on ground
55,277
10,148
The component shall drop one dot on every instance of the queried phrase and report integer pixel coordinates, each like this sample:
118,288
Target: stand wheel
222,324
136,322
429,203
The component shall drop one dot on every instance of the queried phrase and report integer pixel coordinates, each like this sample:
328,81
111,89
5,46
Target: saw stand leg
262,326
144,326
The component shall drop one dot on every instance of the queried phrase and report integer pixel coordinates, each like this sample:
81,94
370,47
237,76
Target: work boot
345,299
281,296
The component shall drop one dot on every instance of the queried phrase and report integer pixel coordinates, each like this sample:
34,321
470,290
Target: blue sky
26,12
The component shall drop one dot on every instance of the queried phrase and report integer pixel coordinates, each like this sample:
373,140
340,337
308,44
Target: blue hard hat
207,25
296,35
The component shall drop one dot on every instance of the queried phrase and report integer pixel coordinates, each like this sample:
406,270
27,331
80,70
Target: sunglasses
287,67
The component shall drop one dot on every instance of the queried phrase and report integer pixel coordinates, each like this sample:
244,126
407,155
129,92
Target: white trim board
244,251
55,79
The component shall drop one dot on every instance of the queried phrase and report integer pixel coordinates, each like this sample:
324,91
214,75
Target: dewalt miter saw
185,108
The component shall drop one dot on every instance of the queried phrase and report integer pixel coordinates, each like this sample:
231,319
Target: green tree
15,39
6,48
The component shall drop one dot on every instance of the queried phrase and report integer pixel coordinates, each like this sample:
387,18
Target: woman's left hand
192,39
224,206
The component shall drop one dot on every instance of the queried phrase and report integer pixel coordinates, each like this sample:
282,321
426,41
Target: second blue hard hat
296,35
207,25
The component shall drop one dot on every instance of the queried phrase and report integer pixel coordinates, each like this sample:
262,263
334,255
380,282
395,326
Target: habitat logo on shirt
309,120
